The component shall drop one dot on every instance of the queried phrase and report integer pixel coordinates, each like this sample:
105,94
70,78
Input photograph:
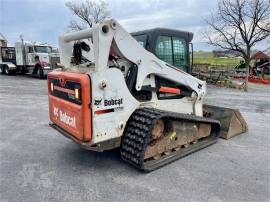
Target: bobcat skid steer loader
111,92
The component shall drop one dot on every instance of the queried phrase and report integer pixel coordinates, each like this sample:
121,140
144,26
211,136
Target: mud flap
231,120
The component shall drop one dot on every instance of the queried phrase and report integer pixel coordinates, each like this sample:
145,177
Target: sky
45,20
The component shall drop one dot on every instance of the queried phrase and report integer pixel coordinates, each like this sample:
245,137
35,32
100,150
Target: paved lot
38,164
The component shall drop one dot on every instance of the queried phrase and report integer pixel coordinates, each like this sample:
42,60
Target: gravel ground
39,164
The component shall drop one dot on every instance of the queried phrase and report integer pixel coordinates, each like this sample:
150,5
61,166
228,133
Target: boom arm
109,34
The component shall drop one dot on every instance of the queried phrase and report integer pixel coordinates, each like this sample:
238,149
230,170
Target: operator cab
171,46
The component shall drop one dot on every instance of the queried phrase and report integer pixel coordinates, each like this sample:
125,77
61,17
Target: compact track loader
111,92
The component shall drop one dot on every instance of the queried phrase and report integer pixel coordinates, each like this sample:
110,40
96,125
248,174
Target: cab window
179,52
43,49
30,49
141,39
172,50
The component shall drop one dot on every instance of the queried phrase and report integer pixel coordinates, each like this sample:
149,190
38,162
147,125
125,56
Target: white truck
28,57
35,57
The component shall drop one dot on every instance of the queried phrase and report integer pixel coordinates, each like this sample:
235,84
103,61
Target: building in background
3,40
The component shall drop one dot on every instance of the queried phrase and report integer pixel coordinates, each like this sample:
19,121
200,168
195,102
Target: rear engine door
69,103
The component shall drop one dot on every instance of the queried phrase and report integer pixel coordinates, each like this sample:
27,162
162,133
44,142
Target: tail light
51,87
77,93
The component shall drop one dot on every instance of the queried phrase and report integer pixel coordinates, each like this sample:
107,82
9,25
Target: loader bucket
231,120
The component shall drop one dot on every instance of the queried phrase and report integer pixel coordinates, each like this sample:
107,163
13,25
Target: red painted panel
74,118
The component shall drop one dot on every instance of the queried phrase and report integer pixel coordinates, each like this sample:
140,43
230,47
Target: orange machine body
69,103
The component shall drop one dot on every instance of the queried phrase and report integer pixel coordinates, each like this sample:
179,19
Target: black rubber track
138,131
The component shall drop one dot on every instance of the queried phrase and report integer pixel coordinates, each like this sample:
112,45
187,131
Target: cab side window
30,49
141,39
179,51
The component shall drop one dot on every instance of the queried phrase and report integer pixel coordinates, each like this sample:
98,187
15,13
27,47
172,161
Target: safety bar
83,34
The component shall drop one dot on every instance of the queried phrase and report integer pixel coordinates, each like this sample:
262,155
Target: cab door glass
172,50
163,49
